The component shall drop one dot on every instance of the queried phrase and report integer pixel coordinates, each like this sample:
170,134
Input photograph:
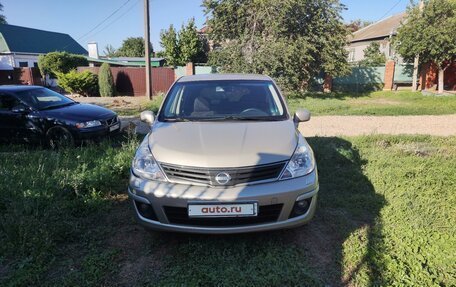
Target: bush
60,62
106,81
85,83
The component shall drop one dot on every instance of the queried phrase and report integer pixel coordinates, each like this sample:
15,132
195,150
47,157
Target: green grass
385,217
52,208
375,103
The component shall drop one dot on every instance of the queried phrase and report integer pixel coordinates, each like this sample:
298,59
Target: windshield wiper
176,119
237,118
57,106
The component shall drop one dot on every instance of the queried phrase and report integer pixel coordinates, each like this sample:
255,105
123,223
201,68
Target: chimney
93,50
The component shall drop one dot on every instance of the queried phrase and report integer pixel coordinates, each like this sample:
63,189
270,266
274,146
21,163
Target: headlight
89,124
301,163
144,164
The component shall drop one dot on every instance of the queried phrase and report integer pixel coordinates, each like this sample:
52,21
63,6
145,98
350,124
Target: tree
184,46
358,24
60,62
192,46
430,34
160,54
2,17
132,47
106,81
109,51
292,41
169,41
372,56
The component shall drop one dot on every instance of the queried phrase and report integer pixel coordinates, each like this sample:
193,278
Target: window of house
351,55
35,64
23,64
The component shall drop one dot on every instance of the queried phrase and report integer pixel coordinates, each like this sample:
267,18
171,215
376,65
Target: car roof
224,77
17,88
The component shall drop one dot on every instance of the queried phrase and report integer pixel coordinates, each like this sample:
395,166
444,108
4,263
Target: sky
112,21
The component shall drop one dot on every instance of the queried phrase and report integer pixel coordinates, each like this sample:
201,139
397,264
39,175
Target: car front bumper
97,132
166,194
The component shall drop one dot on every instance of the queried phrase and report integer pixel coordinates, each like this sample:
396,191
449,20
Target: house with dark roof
382,32
21,46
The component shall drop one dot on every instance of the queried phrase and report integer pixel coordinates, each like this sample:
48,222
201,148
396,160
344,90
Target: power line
116,19
392,8
105,19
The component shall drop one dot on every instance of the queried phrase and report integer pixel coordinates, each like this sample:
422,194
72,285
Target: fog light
146,210
300,207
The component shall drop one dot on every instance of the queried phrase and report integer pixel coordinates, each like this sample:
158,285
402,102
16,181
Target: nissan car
224,155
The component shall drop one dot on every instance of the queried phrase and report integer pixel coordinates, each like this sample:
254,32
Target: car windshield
43,99
223,100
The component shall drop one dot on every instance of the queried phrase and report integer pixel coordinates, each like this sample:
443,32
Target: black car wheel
59,137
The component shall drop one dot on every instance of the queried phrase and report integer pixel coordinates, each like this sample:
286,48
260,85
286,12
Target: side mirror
147,117
20,109
301,116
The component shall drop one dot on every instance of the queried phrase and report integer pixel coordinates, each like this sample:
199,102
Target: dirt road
444,125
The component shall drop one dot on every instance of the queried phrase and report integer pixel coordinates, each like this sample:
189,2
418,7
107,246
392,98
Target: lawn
386,217
375,103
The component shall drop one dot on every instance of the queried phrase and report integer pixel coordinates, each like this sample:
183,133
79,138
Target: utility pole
416,62
147,49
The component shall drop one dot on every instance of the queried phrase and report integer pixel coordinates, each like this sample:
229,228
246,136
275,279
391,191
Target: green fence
361,79
403,74
372,78
179,71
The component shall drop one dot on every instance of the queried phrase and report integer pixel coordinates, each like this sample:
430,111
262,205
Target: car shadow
339,246
346,232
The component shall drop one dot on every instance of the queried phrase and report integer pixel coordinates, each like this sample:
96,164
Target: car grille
266,214
238,175
110,121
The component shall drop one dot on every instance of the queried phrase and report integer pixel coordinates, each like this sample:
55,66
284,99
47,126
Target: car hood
79,112
223,144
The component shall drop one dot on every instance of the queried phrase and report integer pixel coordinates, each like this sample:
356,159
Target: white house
21,46
381,32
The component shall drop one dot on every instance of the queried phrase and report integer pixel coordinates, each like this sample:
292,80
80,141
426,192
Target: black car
37,114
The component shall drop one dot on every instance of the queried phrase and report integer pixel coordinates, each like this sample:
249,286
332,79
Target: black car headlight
89,124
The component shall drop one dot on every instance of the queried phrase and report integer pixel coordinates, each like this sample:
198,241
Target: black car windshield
43,99
223,100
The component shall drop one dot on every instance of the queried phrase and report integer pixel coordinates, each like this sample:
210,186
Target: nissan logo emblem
222,178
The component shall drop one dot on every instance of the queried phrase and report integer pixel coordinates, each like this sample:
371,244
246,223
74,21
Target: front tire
59,137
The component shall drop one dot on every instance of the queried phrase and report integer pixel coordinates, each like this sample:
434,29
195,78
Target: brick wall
328,83
429,76
189,69
389,75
